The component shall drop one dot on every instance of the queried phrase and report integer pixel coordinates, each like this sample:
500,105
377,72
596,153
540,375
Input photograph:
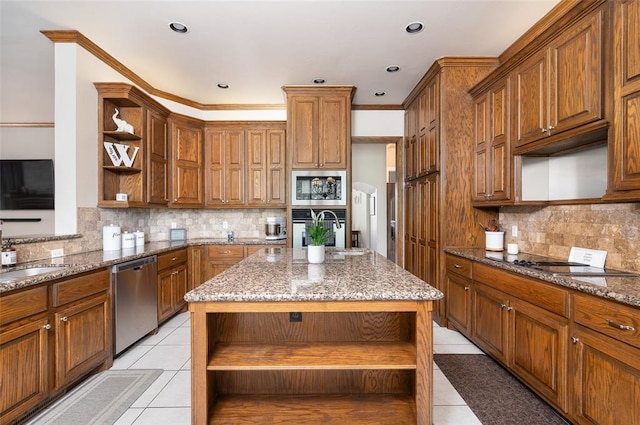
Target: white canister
111,238
494,241
139,238
128,240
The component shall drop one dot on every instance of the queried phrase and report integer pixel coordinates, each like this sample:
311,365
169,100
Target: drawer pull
620,326
457,266
174,258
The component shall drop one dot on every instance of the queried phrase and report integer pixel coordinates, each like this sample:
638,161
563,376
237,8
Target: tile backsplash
553,230
550,230
155,223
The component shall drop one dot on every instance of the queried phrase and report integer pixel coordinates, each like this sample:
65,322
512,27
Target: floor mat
493,394
102,399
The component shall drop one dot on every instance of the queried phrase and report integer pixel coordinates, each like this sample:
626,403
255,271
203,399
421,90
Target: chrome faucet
320,216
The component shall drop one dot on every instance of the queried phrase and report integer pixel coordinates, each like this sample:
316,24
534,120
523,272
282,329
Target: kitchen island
276,340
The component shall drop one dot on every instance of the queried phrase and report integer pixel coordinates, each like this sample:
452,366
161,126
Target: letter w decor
118,154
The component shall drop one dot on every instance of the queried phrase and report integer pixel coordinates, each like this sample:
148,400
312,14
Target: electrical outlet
225,224
174,225
295,317
55,253
514,231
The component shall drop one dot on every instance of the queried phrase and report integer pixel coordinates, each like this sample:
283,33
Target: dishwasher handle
134,264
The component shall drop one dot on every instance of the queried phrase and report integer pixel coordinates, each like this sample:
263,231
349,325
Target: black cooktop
556,267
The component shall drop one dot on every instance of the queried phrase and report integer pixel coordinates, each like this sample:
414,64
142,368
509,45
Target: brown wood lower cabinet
51,336
579,352
172,283
530,341
220,257
83,338
24,360
605,354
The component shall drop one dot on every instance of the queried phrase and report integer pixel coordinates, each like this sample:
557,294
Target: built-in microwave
318,187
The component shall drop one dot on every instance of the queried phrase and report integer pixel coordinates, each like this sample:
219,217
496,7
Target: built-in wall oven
301,218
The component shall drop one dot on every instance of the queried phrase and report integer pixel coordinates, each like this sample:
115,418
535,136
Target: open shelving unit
355,363
119,178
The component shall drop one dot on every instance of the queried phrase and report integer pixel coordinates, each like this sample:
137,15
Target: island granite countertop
284,274
625,290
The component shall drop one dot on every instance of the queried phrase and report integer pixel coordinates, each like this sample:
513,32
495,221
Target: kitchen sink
349,252
12,275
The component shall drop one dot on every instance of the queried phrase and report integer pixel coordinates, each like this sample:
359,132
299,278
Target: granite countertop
625,290
92,260
285,275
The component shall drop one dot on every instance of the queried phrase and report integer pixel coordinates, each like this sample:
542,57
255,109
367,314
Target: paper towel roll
111,238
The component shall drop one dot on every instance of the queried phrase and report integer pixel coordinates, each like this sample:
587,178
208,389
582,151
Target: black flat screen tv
26,184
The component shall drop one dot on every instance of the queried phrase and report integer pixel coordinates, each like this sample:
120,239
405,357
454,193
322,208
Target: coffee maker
275,228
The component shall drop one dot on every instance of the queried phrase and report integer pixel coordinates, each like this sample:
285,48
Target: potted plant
318,234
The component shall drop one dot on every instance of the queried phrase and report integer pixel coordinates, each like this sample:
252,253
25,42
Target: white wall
369,166
76,147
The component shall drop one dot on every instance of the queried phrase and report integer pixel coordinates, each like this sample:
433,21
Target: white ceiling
258,46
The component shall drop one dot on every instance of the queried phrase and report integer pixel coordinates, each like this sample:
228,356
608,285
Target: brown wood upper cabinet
145,181
187,163
319,126
492,145
560,87
624,147
224,159
245,164
266,172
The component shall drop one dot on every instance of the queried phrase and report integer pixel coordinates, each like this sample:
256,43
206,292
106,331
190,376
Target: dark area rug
493,394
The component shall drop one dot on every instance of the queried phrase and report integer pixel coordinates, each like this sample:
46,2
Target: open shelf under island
277,340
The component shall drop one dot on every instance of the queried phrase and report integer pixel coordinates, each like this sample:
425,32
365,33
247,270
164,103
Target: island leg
424,363
199,354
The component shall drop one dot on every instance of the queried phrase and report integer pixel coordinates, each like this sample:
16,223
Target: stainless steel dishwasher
135,296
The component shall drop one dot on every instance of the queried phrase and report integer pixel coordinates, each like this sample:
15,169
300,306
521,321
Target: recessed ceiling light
414,27
393,68
319,81
380,93
178,27
223,85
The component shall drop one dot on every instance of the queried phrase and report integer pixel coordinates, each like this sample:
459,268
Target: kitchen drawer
23,304
543,295
221,252
616,320
172,258
459,265
79,287
252,249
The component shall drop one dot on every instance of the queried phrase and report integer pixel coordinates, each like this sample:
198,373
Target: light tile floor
168,399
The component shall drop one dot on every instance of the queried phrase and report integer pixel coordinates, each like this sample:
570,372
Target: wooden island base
346,362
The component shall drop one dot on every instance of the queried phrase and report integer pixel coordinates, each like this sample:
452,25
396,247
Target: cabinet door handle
466,288
502,306
543,130
64,319
47,326
574,339
509,308
620,326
